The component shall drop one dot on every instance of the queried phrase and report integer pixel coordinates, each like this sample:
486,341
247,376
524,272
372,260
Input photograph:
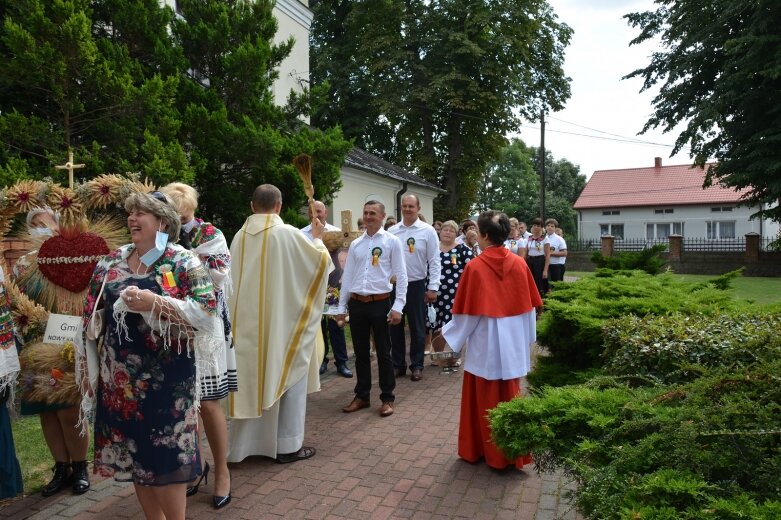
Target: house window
616,230
721,229
611,212
662,230
663,211
721,209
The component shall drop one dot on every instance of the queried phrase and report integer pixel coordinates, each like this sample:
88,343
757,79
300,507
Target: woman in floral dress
159,308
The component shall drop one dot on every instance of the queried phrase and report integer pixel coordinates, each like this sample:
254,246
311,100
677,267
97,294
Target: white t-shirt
557,244
537,247
514,244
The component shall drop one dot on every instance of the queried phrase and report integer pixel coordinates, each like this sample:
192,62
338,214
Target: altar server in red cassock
494,323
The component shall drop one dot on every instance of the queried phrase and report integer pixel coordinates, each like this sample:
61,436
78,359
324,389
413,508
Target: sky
602,103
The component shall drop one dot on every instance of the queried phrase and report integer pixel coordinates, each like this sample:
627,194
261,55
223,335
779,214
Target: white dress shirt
421,251
307,230
557,244
371,262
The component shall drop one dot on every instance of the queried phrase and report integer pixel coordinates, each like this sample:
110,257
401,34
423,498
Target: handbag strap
100,294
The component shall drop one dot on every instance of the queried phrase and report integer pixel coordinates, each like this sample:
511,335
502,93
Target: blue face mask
41,232
151,256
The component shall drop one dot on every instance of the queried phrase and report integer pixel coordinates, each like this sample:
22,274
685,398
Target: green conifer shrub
571,327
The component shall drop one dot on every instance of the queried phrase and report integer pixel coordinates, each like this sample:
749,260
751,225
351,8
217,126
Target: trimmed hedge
571,326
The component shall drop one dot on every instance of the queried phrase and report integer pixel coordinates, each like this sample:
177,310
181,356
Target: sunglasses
159,196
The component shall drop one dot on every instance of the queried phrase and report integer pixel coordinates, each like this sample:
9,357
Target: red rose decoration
68,261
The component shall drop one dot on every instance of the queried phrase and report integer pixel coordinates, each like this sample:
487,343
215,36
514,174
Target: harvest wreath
53,276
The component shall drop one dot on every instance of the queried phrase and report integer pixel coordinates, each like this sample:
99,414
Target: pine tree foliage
131,86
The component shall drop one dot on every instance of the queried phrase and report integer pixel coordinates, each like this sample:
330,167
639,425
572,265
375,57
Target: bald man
333,334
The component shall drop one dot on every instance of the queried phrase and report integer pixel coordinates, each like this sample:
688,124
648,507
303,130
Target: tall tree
130,86
235,135
64,87
719,68
436,86
511,184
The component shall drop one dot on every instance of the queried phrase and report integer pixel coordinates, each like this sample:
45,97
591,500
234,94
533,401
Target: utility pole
542,163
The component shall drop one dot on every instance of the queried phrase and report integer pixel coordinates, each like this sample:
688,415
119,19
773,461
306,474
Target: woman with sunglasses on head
209,244
160,329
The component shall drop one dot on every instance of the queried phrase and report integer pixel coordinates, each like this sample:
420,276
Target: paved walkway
403,466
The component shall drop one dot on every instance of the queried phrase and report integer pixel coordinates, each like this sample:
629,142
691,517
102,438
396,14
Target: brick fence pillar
676,247
12,249
607,245
752,247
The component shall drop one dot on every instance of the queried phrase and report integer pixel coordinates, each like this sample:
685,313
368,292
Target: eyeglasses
159,196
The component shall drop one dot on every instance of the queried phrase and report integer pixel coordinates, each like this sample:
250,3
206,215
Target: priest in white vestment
279,279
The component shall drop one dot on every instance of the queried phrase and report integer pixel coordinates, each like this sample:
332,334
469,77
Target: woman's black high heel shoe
220,502
191,490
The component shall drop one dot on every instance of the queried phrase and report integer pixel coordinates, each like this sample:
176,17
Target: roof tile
665,185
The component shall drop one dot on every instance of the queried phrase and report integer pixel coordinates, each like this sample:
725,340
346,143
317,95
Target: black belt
370,297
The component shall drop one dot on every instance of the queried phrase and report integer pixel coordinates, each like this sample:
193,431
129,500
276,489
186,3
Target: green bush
548,371
571,326
677,347
704,449
649,260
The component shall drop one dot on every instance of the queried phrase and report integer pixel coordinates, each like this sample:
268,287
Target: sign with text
61,328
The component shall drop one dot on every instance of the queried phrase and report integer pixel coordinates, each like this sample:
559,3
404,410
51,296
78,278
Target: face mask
432,316
41,232
189,226
151,256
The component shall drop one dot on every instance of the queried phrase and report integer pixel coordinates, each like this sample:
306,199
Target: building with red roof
655,202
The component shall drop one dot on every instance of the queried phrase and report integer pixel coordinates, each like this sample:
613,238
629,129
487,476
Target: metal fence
735,245
689,244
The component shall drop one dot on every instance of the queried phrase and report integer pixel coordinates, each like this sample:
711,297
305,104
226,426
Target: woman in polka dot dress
454,258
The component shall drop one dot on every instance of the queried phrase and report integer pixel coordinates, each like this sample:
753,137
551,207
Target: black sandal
304,453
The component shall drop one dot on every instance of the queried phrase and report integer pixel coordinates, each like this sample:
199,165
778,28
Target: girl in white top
538,256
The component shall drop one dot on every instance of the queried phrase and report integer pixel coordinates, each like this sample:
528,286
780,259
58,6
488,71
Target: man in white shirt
372,260
522,231
333,334
558,251
421,256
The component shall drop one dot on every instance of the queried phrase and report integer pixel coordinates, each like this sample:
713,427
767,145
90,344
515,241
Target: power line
631,141
635,139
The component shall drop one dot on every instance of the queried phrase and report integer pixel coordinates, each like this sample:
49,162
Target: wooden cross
70,167
335,240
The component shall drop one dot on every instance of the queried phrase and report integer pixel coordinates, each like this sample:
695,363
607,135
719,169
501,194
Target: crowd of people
178,326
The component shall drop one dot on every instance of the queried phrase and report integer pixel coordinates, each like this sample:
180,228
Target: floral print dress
145,419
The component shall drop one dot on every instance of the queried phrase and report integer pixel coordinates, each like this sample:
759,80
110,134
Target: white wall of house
711,221
294,19
359,186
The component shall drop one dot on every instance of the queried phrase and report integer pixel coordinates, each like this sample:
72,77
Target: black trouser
334,333
367,319
556,272
415,314
537,266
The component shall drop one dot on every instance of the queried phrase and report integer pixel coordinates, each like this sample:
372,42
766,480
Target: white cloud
598,57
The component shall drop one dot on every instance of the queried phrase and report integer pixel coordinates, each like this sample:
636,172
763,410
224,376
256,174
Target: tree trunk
455,151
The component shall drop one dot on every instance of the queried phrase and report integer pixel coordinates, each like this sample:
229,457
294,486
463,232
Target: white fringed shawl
191,320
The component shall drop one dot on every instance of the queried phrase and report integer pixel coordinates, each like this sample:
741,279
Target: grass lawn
761,290
33,454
